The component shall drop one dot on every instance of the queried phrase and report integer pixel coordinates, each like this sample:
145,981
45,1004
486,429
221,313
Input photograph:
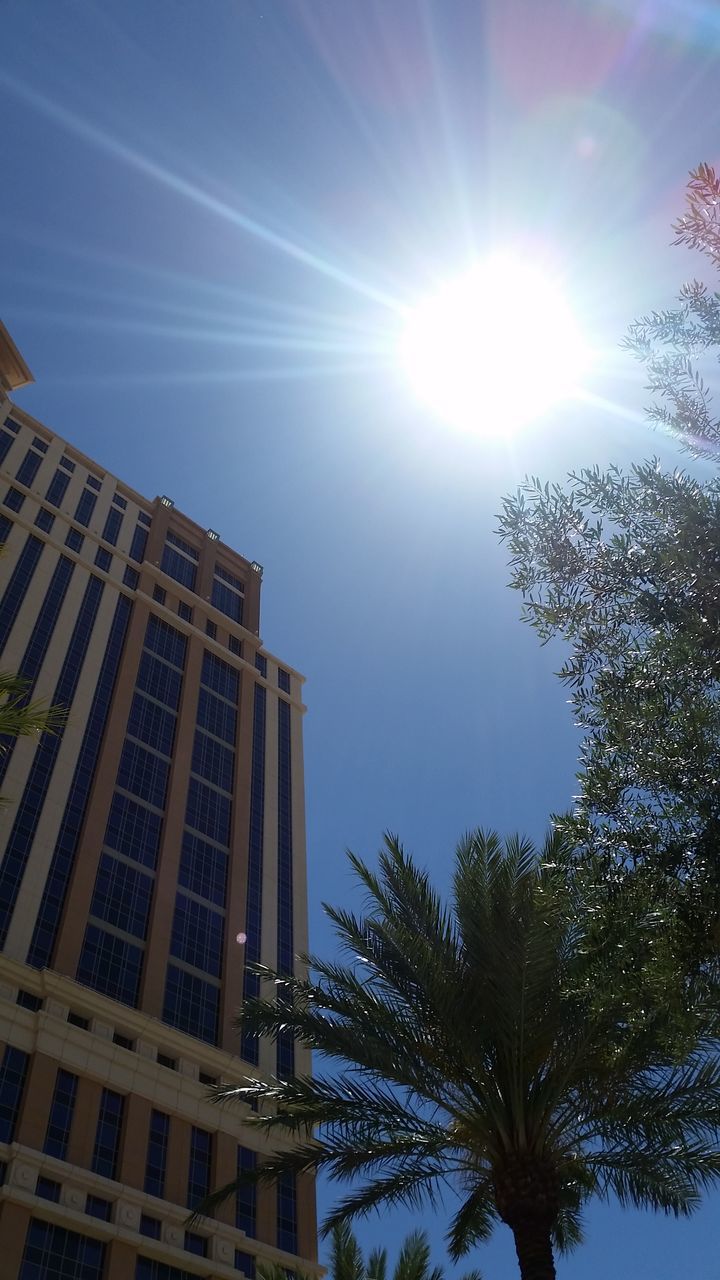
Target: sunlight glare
494,348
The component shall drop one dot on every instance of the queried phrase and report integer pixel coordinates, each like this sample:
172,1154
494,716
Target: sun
493,349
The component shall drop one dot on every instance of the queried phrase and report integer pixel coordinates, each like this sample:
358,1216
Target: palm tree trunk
534,1250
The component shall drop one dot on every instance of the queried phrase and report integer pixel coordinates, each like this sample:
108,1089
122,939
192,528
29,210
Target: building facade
149,851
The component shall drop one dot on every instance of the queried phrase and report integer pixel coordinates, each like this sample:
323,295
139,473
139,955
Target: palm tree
489,1044
413,1263
20,718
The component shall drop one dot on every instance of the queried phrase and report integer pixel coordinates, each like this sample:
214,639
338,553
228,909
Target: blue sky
206,210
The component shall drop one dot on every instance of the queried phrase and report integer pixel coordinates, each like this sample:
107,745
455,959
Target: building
165,820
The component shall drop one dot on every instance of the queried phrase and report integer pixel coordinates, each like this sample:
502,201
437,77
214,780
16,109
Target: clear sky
211,212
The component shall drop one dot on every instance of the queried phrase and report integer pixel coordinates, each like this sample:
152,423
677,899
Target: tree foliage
491,1045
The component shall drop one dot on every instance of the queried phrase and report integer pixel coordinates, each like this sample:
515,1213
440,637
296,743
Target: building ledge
14,372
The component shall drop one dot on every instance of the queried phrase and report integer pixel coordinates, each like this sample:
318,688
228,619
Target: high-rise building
149,851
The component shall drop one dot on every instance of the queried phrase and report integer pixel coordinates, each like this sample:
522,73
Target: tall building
149,851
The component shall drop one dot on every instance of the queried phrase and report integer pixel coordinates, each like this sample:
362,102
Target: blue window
191,1004
156,1163
67,463
57,1134
286,953
159,594
208,811
235,646
220,677
151,1269
27,1000
151,724
33,798
200,1171
195,1243
13,1070
113,525
6,440
110,965
94,483
119,501
151,1227
138,544
203,869
197,935
159,680
39,444
28,468
47,1189
57,488
131,578
216,715
143,774
12,426
185,611
212,761
20,580
97,1207
75,540
122,896
230,578
189,550
14,499
144,518
103,559
5,527
108,1134
227,601
287,1213
261,664
246,1194
166,642
44,520
133,830
211,630
253,909
63,859
177,566
283,680
245,1262
85,507
52,1253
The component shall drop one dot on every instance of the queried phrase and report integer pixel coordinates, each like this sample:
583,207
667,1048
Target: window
96,1207
47,1189
143,774
53,1253
44,520
159,680
110,965
94,483
122,896
144,518
227,576
57,1134
177,566
246,1194
20,580
212,761
12,426
67,463
261,664
211,630
208,811
287,1213
13,1070
156,1162
113,525
56,488
151,724
200,1169
123,1042
220,677
119,501
103,559
166,642
195,1243
227,601
39,444
131,578
151,1269
14,499
28,468
197,935
204,1078
235,646
283,680
85,507
27,1000
107,1135
75,540
133,830
181,545
164,1061
159,594
216,715
203,869
138,544
286,950
6,442
150,1226
245,1262
185,611
253,911
192,1004
77,1020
